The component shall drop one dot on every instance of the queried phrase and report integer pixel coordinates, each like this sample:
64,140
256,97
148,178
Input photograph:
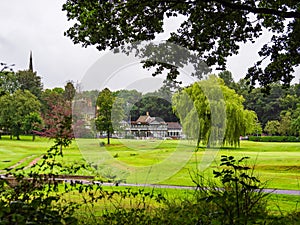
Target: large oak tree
214,29
15,108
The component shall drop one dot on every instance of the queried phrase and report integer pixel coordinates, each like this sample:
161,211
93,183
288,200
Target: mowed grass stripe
276,163
14,151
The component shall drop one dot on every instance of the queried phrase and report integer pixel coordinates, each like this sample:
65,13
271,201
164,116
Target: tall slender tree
70,91
109,112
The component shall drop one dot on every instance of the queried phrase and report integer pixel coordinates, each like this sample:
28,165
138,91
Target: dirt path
18,163
33,162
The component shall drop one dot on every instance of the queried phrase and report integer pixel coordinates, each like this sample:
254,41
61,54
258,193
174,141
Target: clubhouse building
147,126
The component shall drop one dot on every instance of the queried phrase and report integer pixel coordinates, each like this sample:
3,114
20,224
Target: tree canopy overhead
212,28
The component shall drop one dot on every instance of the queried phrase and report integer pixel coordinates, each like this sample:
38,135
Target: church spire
30,62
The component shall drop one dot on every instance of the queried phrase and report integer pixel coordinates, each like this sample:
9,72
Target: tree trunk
108,141
33,137
198,140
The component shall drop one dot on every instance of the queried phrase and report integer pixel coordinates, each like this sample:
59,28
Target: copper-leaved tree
58,120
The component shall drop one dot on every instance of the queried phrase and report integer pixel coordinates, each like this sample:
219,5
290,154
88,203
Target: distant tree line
248,111
193,111
278,111
26,108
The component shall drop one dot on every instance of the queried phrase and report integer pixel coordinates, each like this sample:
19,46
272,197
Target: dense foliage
213,29
28,109
16,109
29,80
278,112
212,113
274,138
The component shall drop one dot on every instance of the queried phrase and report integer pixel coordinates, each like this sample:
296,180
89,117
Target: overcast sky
38,25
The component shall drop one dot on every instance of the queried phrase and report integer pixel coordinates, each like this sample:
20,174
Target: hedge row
274,138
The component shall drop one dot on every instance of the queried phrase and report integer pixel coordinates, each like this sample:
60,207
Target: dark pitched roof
143,119
174,125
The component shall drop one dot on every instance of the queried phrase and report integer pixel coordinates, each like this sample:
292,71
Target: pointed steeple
30,62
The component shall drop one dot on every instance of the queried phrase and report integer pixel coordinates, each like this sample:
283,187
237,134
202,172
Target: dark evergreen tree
70,91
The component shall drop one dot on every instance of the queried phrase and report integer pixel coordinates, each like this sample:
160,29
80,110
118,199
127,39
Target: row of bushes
274,138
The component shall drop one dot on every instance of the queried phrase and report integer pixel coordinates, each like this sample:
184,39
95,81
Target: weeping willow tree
212,113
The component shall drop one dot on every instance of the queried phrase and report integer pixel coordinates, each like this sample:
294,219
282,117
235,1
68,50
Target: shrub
240,198
234,197
274,138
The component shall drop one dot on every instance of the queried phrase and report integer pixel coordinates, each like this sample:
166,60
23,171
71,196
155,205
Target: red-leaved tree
58,122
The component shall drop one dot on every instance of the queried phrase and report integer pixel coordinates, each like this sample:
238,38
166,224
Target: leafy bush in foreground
236,198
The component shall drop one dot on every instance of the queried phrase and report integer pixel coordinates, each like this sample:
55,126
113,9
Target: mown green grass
278,164
14,151
282,204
